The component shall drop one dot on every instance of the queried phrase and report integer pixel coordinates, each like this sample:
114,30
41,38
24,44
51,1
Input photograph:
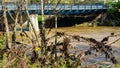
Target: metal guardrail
58,7
62,9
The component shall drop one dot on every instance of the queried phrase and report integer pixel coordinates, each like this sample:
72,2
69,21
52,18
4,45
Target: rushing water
97,33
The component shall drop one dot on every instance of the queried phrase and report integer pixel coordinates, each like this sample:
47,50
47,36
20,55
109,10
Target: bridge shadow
69,20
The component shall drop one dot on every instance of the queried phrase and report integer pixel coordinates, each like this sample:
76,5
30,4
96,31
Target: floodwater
97,33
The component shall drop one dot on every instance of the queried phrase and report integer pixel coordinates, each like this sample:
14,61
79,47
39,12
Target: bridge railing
60,6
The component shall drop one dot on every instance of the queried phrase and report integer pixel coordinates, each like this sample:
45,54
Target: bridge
62,9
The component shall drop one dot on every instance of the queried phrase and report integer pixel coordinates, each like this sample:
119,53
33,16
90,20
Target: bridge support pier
34,19
94,22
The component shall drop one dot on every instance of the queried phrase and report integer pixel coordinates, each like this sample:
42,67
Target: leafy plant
39,19
112,16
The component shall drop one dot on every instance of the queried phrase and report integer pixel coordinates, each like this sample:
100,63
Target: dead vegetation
21,55
51,52
16,56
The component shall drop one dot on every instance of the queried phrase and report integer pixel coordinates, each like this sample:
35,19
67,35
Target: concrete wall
34,19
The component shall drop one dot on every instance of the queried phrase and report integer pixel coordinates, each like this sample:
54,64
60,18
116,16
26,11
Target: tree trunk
6,24
43,28
33,27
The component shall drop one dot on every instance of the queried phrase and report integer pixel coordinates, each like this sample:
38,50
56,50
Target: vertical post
73,2
43,27
15,4
104,1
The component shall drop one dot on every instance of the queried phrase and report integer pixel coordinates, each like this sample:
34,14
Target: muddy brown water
97,33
